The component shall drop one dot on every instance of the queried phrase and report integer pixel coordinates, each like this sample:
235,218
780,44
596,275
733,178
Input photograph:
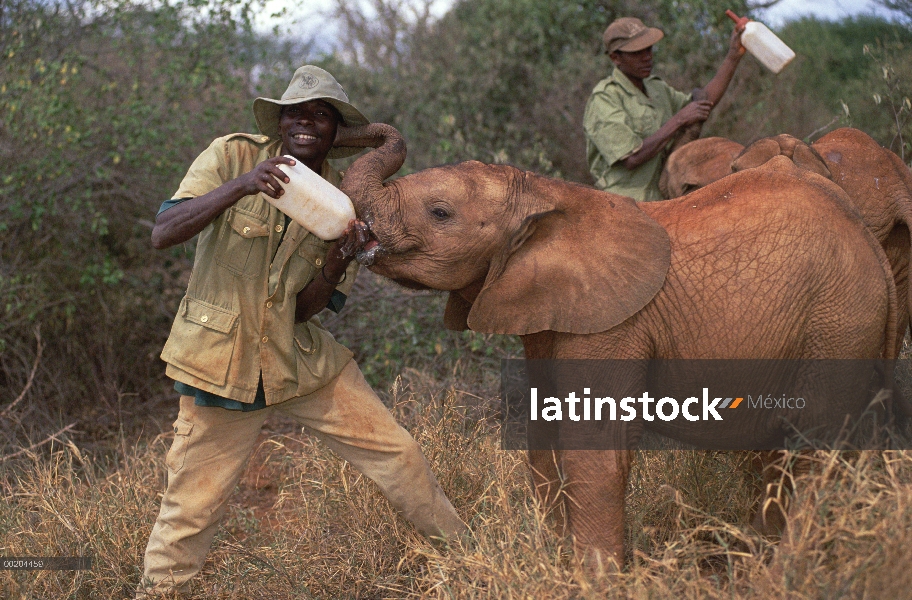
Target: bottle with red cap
763,43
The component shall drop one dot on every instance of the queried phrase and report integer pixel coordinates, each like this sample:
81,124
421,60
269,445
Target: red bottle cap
739,21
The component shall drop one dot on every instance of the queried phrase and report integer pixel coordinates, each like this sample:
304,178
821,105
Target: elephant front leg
595,489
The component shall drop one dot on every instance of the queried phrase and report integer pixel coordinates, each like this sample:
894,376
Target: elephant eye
440,213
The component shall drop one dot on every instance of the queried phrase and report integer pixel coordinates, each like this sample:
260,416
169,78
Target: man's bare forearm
183,221
717,86
695,112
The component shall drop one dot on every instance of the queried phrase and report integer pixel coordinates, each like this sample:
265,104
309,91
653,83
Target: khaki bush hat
628,34
309,83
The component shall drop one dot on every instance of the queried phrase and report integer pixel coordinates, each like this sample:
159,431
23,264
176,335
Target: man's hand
345,248
735,47
316,294
695,112
266,177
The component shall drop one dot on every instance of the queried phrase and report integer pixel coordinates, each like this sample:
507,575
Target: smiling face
637,66
308,130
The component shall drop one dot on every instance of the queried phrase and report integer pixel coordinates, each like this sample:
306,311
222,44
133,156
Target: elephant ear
585,266
809,159
757,154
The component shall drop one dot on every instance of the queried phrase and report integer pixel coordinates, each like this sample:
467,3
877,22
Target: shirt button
204,318
318,262
278,229
269,305
246,230
265,338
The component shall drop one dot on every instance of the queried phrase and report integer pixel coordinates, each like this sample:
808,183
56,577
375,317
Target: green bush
102,107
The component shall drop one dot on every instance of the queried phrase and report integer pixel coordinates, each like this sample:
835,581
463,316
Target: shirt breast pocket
245,243
644,124
309,259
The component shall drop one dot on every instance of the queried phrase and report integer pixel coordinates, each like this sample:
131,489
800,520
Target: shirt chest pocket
244,247
309,259
644,120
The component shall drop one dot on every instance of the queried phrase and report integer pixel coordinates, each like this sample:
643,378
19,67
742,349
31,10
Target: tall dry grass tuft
303,524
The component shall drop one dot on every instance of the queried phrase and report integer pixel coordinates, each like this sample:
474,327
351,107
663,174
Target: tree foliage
104,104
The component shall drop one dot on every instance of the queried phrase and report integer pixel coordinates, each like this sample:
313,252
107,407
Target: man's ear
585,266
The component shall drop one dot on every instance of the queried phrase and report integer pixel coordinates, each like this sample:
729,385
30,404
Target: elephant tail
890,397
904,207
902,407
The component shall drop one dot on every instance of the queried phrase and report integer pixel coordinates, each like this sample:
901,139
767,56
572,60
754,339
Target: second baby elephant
766,264
877,182
697,164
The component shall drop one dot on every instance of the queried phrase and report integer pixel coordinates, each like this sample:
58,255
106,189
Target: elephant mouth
368,255
410,283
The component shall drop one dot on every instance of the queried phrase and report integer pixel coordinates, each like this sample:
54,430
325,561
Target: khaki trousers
212,446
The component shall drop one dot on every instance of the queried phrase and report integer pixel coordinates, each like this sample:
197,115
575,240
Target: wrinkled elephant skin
877,182
767,263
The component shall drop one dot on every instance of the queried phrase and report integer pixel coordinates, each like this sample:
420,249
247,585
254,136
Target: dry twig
31,377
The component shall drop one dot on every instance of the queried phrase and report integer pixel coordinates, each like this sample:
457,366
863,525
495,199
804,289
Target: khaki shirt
617,119
237,317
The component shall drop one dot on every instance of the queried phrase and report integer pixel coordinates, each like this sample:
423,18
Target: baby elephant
768,263
878,184
697,164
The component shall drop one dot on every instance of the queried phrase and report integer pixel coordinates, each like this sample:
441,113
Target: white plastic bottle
763,43
312,202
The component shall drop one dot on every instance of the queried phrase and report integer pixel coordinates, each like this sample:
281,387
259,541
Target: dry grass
304,524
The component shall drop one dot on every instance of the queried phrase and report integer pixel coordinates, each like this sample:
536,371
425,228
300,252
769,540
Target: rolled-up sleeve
208,172
605,124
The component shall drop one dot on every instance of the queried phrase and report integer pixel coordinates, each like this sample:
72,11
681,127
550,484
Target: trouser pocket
178,452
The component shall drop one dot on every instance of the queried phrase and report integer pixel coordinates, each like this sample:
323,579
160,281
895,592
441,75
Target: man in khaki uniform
246,341
632,116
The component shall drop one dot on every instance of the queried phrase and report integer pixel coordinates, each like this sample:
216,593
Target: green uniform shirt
618,118
236,320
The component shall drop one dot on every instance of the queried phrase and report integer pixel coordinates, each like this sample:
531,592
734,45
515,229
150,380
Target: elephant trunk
363,181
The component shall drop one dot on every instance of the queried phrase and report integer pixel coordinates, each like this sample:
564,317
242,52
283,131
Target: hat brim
647,38
266,111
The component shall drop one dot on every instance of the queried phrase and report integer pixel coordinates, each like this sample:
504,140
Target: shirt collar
627,85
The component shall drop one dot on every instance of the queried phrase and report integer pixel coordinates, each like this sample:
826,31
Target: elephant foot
776,486
770,518
598,563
